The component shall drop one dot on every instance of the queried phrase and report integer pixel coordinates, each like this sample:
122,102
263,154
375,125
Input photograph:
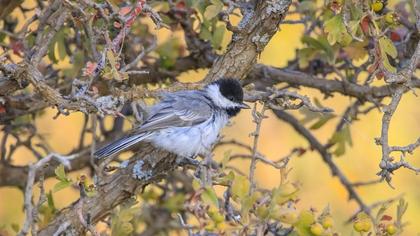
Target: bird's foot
187,161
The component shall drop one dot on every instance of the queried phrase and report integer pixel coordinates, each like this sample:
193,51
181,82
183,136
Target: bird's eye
231,98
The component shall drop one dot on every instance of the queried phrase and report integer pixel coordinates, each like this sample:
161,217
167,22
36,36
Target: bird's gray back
178,109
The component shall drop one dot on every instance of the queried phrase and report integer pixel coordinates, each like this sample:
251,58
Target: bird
186,123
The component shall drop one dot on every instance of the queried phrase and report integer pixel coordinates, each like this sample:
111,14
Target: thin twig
29,209
326,157
258,117
184,225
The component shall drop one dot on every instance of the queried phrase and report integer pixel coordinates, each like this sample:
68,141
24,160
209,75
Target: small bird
186,123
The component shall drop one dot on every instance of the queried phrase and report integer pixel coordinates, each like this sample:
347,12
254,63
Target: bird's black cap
231,89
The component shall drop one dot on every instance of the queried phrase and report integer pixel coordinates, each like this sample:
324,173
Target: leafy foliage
110,52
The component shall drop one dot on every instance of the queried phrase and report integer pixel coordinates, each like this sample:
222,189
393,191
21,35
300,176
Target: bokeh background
319,188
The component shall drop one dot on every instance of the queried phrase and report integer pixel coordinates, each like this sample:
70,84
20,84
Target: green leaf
306,55
336,30
401,209
2,36
169,52
30,39
226,159
263,212
320,44
61,44
387,65
126,228
247,202
50,201
308,115
15,227
225,179
209,196
356,11
196,184
199,5
126,215
305,220
122,220
240,186
61,185
322,121
213,9
307,6
78,62
21,120
58,46
284,193
217,37
205,33
51,53
388,47
60,173
175,203
341,138
113,62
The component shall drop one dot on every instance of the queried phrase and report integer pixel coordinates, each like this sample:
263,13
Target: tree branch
148,166
255,31
30,211
265,76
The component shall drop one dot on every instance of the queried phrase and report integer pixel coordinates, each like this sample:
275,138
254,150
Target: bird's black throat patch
232,111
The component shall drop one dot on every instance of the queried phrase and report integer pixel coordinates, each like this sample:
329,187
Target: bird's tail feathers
119,145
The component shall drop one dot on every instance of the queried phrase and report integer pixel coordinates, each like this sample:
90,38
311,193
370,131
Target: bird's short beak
244,106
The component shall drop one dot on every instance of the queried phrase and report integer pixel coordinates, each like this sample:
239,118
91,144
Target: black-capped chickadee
186,123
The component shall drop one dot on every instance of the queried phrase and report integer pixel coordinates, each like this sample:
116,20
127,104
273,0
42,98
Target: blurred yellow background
319,188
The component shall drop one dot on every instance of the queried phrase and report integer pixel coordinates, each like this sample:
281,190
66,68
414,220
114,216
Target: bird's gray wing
180,109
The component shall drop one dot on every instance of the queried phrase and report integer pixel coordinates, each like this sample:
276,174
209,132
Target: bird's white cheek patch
218,98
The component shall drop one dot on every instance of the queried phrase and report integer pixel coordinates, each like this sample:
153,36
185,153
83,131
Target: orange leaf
89,68
395,37
117,24
364,24
386,218
180,5
124,11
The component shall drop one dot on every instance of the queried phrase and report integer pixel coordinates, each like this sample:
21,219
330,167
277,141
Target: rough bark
253,34
236,62
113,190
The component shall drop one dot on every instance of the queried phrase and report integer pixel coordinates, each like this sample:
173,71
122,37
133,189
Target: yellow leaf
213,9
113,62
196,184
240,186
356,50
388,47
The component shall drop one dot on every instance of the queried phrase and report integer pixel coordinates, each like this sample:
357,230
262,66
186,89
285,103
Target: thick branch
265,76
255,31
121,185
149,166
403,79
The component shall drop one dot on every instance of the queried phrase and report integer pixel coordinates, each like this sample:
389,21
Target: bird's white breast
193,140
